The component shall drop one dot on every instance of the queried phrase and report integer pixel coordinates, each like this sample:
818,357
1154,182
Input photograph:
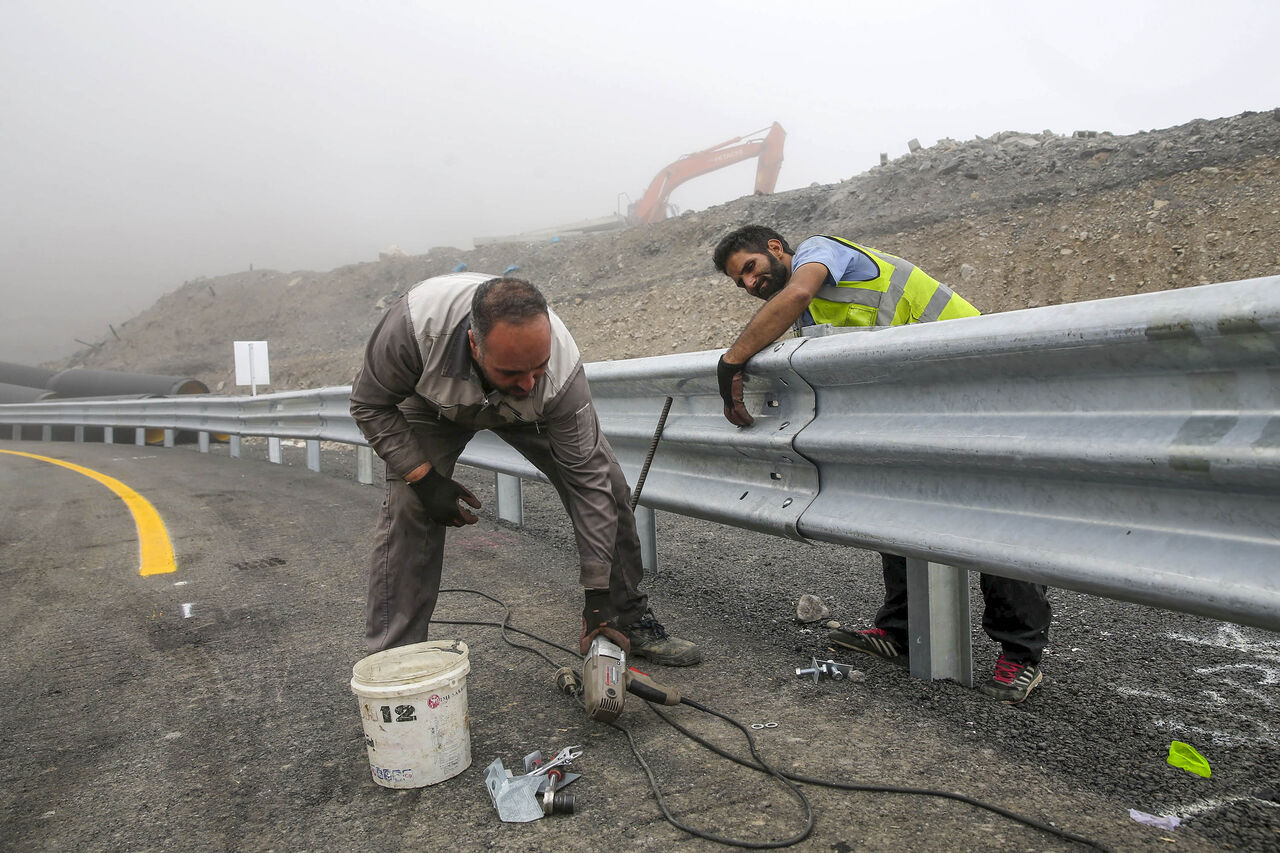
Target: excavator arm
652,206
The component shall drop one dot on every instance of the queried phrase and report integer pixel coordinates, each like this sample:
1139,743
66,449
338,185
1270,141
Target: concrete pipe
25,376
82,382
22,393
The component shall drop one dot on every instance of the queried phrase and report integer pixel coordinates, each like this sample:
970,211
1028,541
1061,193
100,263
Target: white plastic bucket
413,702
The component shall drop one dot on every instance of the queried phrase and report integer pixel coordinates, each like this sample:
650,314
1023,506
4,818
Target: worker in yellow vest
832,280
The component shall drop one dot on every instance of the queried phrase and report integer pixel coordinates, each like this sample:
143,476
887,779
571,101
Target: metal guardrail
1125,447
1128,448
319,414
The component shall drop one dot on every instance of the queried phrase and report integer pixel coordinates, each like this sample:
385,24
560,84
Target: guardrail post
364,465
17,432
273,450
510,498
202,441
78,434
938,624
234,447
46,433
140,436
313,454
647,528
108,435
170,437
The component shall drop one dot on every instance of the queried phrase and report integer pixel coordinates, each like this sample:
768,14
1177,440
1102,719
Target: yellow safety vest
902,293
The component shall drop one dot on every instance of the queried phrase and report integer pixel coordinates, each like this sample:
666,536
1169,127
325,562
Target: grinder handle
649,690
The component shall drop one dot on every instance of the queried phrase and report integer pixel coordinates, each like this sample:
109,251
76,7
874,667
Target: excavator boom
652,206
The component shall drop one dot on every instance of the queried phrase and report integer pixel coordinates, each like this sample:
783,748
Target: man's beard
779,274
509,389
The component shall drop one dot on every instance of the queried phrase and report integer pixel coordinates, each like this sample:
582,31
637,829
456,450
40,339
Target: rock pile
1013,220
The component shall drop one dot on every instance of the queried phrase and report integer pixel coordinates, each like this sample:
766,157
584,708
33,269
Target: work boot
650,640
870,641
1012,681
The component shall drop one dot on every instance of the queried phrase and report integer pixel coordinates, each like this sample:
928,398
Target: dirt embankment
1011,221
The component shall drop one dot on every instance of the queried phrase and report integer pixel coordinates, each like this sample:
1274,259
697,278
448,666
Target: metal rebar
648,459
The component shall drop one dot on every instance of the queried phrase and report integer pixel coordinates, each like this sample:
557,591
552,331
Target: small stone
811,609
831,623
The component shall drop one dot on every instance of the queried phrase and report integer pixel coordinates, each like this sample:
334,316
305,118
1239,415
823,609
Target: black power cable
759,764
880,789
763,766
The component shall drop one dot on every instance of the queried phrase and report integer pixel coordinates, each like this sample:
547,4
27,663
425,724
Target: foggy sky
143,144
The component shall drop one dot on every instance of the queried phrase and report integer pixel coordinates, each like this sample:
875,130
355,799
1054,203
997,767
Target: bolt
814,671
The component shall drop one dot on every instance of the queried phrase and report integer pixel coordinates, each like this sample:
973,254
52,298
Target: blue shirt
842,263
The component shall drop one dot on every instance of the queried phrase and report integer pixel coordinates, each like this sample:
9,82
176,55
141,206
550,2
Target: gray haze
147,143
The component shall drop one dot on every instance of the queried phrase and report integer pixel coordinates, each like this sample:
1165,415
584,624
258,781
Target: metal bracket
516,797
829,669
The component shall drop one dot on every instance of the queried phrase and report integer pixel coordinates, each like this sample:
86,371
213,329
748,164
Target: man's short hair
752,238
507,300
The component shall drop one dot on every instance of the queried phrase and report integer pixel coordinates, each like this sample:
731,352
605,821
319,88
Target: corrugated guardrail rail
1126,447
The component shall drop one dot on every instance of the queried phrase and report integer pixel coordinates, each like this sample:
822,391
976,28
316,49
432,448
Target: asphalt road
209,708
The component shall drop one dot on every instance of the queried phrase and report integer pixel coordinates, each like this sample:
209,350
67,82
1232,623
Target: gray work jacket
419,356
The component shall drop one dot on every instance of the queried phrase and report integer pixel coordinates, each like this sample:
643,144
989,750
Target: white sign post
252,368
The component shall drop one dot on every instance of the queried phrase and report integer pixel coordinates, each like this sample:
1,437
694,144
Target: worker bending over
465,352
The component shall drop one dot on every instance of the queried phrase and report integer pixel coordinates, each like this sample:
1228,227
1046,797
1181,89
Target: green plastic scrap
1186,756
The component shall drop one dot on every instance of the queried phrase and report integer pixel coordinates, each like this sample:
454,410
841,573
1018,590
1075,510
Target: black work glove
598,608
730,377
599,617
440,495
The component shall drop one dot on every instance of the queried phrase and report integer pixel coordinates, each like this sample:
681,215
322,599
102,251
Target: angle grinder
606,679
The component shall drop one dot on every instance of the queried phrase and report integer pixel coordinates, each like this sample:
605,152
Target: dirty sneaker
1012,681
650,640
870,641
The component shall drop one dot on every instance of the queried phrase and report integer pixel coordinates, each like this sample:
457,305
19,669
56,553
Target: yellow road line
156,550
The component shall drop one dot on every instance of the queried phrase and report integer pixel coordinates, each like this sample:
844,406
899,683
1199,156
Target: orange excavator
652,207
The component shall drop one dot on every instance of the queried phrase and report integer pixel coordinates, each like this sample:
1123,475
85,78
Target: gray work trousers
408,549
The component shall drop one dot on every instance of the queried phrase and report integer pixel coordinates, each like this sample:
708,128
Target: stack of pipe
21,383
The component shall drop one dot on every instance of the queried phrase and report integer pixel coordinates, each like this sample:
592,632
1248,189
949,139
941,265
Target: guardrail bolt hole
744,494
